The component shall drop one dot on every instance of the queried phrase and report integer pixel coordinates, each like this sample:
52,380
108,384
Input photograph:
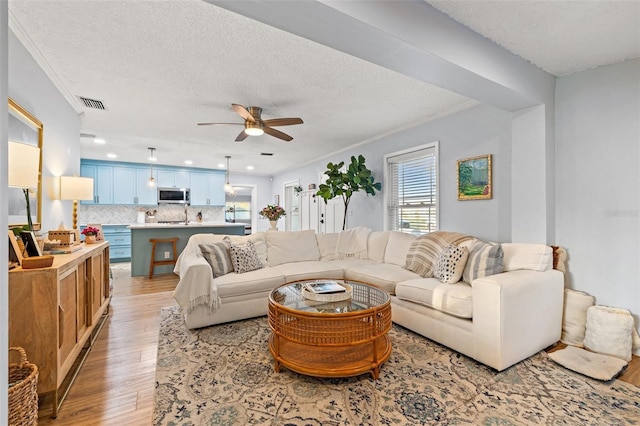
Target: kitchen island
141,247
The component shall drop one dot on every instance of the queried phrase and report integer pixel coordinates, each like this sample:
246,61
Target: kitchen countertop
182,225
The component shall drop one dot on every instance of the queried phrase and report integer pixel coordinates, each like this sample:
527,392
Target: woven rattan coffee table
330,339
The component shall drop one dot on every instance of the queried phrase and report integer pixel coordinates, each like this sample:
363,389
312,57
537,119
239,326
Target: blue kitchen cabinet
207,189
102,183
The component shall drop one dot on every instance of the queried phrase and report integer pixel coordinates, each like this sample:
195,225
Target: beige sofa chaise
497,320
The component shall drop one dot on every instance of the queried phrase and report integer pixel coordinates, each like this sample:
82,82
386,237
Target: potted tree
345,182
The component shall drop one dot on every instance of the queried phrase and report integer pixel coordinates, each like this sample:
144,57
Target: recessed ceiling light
99,141
188,162
153,159
221,166
111,155
249,167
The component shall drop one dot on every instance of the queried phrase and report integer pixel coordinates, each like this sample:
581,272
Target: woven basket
23,391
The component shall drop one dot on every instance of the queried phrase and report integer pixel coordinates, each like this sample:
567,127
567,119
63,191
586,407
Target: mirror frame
30,120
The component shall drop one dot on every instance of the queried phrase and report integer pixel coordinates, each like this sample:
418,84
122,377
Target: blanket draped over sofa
510,308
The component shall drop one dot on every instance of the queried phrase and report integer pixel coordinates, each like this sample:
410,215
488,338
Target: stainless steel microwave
174,196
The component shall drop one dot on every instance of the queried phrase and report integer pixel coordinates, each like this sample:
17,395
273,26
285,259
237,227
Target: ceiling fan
254,125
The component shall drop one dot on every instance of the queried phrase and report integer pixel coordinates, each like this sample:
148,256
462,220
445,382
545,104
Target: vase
273,224
89,239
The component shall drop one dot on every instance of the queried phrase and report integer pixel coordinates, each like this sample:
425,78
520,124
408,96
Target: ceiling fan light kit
254,125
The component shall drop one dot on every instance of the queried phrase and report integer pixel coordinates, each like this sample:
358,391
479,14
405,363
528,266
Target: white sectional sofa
497,320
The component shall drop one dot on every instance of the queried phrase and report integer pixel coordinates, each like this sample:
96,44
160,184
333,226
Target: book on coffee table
325,287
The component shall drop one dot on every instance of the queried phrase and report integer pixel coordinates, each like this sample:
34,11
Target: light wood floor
115,386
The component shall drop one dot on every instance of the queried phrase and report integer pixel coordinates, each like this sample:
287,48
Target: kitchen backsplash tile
118,214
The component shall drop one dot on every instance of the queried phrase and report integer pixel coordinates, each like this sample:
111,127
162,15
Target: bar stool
154,262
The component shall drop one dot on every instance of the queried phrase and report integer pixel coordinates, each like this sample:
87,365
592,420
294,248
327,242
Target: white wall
476,131
598,182
32,89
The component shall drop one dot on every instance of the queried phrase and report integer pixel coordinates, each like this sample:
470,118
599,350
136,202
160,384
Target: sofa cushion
297,246
244,257
311,269
382,275
397,248
451,263
217,255
352,243
258,281
377,244
425,251
534,257
453,299
484,259
327,245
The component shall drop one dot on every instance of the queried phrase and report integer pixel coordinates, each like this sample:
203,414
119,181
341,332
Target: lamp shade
24,165
76,188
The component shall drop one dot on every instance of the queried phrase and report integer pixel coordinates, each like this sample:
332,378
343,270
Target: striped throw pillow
217,254
484,259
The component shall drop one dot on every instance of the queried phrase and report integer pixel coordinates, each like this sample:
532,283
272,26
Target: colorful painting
474,178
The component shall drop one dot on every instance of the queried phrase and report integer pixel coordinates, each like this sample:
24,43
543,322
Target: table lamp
24,170
76,188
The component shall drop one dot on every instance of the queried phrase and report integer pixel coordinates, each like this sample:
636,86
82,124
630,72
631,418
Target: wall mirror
25,128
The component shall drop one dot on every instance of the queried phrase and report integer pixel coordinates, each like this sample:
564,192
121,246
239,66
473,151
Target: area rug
223,375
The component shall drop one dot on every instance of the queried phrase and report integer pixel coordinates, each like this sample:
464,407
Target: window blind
412,196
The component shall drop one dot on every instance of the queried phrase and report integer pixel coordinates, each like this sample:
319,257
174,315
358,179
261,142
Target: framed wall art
474,178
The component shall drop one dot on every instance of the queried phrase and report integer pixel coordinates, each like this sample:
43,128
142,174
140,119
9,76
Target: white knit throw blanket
352,243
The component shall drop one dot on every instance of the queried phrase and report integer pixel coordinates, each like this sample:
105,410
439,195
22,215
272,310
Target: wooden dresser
56,312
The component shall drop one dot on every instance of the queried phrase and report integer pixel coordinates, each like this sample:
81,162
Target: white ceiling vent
92,103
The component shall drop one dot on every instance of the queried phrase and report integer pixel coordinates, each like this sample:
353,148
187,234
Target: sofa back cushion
397,248
533,257
327,245
296,246
377,244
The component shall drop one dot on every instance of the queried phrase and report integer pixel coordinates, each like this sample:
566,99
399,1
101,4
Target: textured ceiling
561,37
160,67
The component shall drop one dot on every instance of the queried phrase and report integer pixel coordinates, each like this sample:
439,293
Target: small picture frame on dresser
31,246
98,226
15,254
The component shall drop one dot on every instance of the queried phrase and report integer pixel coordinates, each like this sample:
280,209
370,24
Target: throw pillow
484,259
327,245
574,318
217,255
244,257
425,250
295,246
608,331
451,263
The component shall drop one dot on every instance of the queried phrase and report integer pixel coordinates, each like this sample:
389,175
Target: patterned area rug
223,375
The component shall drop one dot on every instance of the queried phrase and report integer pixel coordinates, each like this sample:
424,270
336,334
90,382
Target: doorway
240,207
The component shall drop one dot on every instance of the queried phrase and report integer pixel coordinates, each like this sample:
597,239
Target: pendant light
152,158
228,189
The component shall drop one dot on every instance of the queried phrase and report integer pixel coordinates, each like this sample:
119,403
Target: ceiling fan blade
277,134
282,121
214,124
243,112
242,136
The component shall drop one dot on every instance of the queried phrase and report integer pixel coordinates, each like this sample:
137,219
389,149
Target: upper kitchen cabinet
102,182
207,189
131,186
173,178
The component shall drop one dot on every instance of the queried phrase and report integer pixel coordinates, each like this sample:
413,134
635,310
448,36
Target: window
412,190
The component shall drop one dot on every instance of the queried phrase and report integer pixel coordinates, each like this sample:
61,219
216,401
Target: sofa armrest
196,286
515,315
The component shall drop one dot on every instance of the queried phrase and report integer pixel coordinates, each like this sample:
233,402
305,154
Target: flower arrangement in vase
273,213
90,233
